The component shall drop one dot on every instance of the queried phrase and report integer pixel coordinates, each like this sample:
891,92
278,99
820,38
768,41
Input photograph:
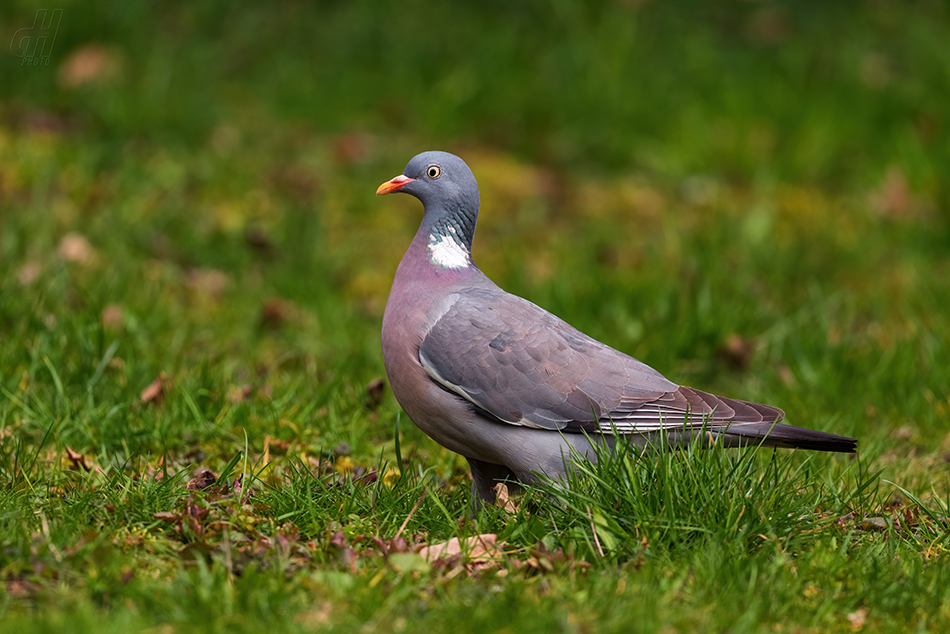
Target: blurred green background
664,175
750,196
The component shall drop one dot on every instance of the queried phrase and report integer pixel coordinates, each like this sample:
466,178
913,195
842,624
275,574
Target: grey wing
519,364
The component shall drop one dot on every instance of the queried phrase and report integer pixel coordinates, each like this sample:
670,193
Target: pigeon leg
485,476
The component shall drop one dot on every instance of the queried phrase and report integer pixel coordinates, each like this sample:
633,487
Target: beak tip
393,185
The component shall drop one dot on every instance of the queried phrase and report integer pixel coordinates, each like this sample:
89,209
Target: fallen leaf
543,561
238,394
475,548
259,241
40,121
20,589
352,148
79,461
904,432
894,199
338,540
276,445
277,311
202,480
786,375
92,63
28,273
876,524
374,392
503,499
295,182
76,458
857,618
345,552
74,247
736,351
768,26
112,317
155,392
209,282
316,617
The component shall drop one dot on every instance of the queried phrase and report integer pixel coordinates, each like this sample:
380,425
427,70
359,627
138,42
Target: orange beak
393,185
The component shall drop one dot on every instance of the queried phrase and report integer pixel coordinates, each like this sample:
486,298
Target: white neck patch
447,253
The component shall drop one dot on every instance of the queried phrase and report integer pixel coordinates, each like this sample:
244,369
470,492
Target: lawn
196,434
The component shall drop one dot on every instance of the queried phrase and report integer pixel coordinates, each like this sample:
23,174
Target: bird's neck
448,237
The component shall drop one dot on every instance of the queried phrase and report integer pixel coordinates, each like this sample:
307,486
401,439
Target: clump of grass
627,502
414,500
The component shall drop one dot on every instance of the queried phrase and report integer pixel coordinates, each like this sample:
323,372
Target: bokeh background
677,178
747,195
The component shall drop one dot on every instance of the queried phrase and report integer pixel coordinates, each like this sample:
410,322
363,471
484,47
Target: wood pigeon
515,389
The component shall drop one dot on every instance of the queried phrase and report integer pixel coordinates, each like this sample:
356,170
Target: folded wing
519,364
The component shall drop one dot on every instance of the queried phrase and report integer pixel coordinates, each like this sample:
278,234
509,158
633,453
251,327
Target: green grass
665,176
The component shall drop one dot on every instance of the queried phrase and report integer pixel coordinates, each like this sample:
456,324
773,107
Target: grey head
448,191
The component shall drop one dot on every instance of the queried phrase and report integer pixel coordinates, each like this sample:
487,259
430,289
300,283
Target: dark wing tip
791,437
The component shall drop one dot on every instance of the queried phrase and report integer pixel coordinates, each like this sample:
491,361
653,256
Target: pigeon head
449,194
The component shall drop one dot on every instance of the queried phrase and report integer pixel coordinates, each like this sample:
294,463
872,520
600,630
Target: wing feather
521,365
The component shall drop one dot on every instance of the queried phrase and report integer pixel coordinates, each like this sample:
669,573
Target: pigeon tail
791,437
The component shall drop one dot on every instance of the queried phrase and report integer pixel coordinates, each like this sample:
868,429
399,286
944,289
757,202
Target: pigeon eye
434,171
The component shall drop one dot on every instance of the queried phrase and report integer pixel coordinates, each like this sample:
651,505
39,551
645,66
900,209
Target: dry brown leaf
74,247
276,312
736,351
503,499
92,63
374,391
874,524
315,617
20,589
76,458
203,479
266,392
258,240
112,317
209,282
155,392
768,26
273,444
786,375
28,273
474,549
239,393
857,618
167,516
894,198
295,182
352,148
78,461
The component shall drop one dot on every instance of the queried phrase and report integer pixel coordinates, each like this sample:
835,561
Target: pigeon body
510,386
